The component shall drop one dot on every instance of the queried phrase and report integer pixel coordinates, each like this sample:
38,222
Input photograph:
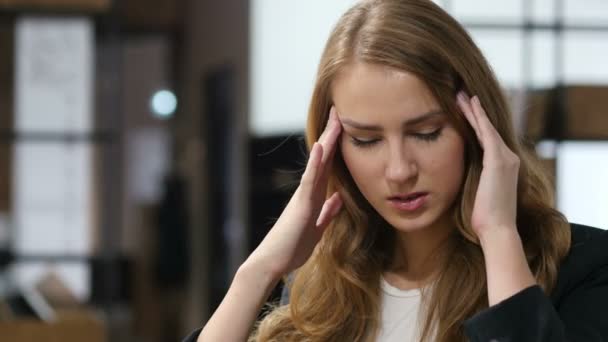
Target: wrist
498,236
256,272
507,269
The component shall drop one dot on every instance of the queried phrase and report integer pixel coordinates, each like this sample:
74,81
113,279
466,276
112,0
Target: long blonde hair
335,296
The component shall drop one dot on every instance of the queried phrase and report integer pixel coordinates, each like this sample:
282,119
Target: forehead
365,91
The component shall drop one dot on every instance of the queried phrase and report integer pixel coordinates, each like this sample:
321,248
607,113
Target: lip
399,203
403,196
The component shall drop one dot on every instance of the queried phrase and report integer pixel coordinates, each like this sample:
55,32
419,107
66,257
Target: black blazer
576,311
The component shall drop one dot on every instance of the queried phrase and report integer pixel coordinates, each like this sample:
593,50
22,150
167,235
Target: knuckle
517,160
514,159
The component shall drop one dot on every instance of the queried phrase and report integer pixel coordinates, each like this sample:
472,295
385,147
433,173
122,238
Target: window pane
503,50
53,81
488,10
543,59
585,57
583,12
581,182
52,198
543,11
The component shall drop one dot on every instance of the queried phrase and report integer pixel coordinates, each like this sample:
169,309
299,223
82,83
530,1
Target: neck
418,253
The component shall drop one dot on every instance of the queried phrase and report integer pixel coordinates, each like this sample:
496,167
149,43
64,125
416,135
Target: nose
401,166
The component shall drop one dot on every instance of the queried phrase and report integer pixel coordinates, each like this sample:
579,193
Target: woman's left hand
495,206
495,209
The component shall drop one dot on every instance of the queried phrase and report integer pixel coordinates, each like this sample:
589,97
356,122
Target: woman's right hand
294,236
286,247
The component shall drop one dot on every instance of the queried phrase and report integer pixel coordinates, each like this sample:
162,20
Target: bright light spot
164,103
547,149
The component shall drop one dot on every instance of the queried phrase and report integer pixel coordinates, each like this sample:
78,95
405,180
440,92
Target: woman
419,217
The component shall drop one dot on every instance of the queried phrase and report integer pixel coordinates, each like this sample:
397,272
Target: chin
412,224
408,225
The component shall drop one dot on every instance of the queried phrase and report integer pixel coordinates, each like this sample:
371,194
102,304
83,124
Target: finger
329,141
485,126
330,135
330,209
323,136
312,167
467,110
489,131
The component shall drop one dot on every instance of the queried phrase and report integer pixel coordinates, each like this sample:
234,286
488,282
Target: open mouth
408,198
410,202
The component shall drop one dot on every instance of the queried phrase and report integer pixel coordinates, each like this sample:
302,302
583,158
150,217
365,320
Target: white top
400,310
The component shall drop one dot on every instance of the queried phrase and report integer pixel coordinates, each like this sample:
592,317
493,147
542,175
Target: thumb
330,209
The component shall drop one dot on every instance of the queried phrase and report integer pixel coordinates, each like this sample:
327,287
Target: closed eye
428,136
425,137
363,142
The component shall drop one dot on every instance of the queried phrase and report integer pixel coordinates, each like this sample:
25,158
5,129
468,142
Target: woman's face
401,150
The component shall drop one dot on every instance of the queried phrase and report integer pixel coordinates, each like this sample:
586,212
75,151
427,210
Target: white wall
581,182
287,38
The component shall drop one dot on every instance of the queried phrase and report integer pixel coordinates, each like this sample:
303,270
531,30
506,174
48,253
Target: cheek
446,165
352,160
360,165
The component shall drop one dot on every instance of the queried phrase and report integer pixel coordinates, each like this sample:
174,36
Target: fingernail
461,96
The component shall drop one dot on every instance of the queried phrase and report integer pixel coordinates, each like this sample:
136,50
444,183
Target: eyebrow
410,122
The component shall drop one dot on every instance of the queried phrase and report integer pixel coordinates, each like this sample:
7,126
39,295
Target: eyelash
429,136
425,137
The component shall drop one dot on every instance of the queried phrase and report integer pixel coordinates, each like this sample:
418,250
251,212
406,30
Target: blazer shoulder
582,234
586,260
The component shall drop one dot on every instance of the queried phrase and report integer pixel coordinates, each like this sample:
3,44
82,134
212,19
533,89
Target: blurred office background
147,146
